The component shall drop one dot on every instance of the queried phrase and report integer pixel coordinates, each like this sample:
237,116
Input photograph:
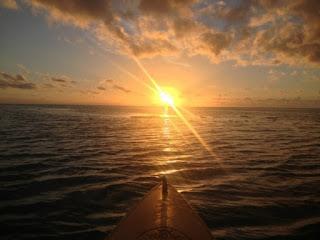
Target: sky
208,53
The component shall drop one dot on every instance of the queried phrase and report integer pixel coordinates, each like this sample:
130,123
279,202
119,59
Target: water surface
72,172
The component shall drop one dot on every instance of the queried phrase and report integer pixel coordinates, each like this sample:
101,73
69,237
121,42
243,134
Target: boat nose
164,187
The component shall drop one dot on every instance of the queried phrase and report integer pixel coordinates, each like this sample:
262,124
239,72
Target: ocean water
72,172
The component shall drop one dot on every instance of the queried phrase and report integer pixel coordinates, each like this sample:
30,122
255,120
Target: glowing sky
212,53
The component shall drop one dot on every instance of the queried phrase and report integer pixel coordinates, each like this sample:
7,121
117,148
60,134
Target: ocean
72,172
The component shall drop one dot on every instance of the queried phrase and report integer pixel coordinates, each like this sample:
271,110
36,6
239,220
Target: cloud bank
249,32
15,81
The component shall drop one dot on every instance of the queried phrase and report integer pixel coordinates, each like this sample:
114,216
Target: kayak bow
162,214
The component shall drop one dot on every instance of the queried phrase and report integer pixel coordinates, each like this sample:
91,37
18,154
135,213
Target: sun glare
166,98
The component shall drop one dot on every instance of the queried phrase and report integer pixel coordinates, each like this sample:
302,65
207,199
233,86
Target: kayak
161,214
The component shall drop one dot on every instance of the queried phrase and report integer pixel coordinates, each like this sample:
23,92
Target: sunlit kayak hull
162,214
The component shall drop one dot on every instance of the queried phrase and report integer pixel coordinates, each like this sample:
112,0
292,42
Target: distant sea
72,172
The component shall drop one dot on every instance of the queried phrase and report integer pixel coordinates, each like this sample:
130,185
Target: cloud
257,32
155,6
63,81
289,42
104,84
17,81
163,7
109,83
120,88
216,42
9,4
79,12
59,80
149,48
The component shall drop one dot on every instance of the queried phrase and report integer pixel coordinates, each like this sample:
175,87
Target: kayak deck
162,214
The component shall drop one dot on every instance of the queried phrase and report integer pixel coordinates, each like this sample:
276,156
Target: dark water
72,172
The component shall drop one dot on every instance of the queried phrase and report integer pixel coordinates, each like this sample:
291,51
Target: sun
166,98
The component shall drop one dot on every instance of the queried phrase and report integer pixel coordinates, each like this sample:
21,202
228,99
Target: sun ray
178,112
155,84
130,74
134,77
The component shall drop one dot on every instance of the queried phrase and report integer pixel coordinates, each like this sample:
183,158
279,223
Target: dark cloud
162,6
155,6
109,84
59,80
120,88
216,42
63,81
24,85
237,14
18,81
78,9
149,48
184,26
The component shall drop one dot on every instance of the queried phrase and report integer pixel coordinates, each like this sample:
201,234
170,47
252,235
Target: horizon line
158,106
